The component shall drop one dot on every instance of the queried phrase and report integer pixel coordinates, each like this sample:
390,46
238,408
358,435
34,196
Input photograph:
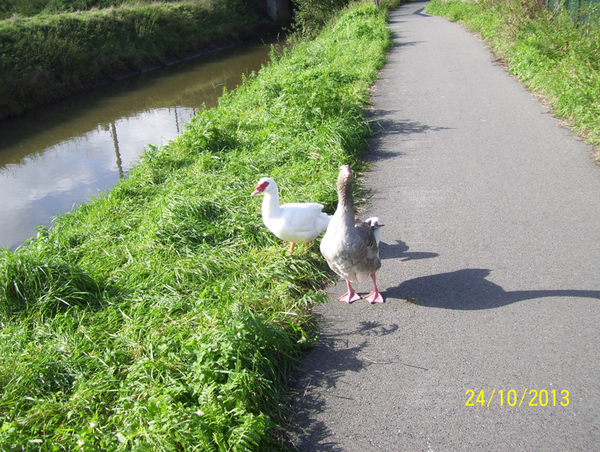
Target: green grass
49,56
550,52
163,315
311,16
28,8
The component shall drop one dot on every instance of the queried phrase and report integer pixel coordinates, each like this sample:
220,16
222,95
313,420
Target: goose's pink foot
375,296
350,296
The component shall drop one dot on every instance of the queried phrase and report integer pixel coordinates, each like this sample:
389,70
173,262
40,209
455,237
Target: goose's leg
375,296
349,296
291,250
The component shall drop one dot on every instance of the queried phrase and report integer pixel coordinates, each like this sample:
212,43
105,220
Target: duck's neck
376,233
270,205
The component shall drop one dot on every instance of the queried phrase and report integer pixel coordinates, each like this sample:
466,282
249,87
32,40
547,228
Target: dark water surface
62,154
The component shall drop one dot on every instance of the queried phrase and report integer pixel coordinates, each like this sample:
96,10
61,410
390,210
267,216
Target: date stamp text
529,397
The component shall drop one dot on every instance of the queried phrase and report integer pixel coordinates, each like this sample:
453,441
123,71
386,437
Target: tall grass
46,57
311,16
550,52
162,315
28,8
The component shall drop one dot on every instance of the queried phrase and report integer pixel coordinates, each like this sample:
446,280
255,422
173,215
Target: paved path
492,214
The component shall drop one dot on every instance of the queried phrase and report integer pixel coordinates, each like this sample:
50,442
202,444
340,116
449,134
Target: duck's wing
305,217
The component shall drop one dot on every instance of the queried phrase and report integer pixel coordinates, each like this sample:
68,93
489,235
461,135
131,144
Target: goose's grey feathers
351,247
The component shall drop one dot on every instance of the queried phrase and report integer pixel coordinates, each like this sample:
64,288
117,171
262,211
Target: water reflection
60,155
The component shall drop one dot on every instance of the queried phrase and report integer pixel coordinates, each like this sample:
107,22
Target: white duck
349,247
295,222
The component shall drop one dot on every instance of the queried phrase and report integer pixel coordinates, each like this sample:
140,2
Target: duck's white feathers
295,222
292,222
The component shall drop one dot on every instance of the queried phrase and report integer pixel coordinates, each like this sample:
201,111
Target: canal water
60,155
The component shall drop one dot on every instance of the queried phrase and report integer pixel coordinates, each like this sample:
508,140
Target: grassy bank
312,15
163,315
49,56
29,8
549,52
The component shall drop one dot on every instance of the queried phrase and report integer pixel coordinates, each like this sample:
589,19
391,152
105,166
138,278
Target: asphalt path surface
490,269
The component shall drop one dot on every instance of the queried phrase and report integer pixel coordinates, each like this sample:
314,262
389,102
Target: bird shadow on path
384,124
328,361
468,289
400,251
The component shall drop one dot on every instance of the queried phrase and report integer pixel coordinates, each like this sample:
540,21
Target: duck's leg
375,296
349,296
291,250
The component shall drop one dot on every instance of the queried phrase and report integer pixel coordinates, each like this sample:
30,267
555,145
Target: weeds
163,315
312,15
28,8
46,57
549,51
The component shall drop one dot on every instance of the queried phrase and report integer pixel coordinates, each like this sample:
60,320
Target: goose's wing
367,240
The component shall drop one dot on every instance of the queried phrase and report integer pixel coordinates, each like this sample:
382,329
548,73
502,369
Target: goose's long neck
345,209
